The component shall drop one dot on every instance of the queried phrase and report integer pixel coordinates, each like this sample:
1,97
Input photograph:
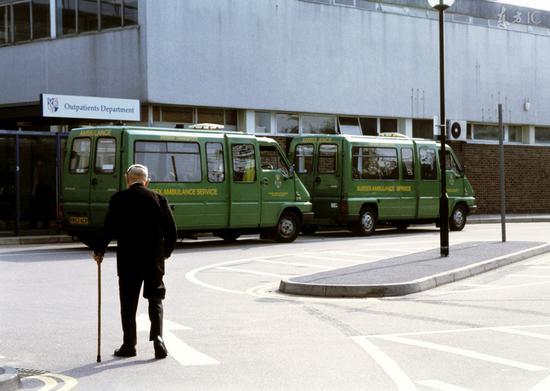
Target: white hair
137,172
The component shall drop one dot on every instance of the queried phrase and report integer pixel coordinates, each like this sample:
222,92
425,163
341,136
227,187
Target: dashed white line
543,385
392,369
295,264
488,288
464,352
239,270
523,333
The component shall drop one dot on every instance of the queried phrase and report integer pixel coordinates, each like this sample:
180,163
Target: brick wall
527,172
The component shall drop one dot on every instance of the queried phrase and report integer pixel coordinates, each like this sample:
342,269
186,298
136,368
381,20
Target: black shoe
125,351
160,348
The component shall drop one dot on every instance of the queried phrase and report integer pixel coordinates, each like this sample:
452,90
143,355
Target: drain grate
25,372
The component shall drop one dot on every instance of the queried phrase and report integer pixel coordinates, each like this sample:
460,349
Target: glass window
369,126
231,118
130,12
22,22
423,128
263,122
349,125
111,13
515,134
80,156
244,163
87,15
105,155
327,158
486,132
210,116
5,25
428,169
388,125
177,114
318,124
542,135
271,159
66,16
374,163
214,158
287,123
40,19
304,158
407,163
170,161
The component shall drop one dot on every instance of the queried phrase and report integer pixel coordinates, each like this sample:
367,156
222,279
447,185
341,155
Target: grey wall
105,64
293,55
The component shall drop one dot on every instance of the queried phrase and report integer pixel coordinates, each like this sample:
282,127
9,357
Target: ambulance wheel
367,222
229,236
458,218
287,228
309,229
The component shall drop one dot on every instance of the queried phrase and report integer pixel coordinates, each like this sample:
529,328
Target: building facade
287,67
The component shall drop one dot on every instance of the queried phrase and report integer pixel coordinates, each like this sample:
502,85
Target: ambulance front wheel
458,218
287,228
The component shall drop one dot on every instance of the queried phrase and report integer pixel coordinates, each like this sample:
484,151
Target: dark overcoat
144,227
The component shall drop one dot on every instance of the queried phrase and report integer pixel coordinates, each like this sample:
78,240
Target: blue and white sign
71,106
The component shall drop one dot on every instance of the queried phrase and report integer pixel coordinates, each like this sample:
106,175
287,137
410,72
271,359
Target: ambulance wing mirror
291,171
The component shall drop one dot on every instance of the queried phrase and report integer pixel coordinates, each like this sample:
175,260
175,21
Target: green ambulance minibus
361,181
227,183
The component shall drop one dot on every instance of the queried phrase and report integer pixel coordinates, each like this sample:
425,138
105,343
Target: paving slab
412,273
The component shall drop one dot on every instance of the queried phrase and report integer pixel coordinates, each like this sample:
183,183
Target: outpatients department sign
71,106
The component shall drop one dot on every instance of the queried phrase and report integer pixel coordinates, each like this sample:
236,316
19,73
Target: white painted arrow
179,350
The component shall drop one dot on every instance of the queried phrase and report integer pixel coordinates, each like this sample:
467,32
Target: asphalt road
229,329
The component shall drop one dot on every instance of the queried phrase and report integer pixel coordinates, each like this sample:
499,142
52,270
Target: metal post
443,200
17,187
501,173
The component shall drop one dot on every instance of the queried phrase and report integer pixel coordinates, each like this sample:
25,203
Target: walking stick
99,311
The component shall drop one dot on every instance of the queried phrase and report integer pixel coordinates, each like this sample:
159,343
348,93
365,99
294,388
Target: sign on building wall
71,106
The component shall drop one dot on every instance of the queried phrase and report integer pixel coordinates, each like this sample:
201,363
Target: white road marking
451,331
463,352
488,288
528,275
295,264
524,333
179,350
50,381
392,369
543,385
239,270
325,258
439,385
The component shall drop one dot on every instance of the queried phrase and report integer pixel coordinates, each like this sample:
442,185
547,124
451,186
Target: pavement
389,277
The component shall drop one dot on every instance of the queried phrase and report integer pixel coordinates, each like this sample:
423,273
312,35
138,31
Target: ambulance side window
244,163
214,157
327,158
80,156
105,155
407,163
303,159
428,168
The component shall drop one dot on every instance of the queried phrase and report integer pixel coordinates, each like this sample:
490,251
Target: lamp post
441,6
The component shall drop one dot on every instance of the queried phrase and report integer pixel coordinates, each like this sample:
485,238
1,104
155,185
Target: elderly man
144,227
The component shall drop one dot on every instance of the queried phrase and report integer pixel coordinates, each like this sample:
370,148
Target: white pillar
528,135
249,125
405,126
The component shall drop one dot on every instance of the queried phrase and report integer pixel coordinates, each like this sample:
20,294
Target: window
130,12
210,116
303,159
374,163
388,125
87,15
486,132
111,13
214,159
66,16
407,163
349,125
327,158
105,155
428,168
170,161
423,128
263,122
244,163
5,25
80,156
177,114
452,164
40,19
369,126
271,159
21,22
542,135
515,134
287,123
318,124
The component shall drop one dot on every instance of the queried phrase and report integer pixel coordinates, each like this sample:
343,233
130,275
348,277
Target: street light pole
441,6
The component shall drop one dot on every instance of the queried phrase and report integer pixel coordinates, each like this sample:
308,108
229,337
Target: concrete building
283,67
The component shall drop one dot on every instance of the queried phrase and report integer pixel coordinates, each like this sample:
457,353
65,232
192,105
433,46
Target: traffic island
9,379
412,273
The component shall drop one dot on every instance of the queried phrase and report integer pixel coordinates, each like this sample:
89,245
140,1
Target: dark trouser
154,291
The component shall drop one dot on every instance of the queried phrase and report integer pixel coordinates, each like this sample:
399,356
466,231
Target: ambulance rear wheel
458,218
287,228
367,222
